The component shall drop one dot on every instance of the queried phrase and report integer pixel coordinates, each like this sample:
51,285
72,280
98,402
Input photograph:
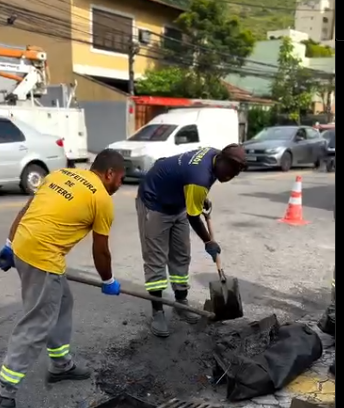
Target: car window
275,133
301,133
312,133
153,133
9,133
187,134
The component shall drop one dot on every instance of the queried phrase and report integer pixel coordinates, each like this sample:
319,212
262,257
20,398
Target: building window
111,32
325,20
172,39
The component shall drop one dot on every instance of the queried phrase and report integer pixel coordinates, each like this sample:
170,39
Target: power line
34,15
29,17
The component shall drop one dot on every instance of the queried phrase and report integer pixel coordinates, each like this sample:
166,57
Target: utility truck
24,79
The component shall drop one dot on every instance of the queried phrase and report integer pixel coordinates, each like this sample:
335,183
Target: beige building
317,19
91,39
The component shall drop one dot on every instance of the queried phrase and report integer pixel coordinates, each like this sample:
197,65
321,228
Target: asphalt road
282,269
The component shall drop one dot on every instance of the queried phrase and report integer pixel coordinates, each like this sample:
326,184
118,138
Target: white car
26,155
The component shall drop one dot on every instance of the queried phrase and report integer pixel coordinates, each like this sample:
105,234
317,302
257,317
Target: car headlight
274,150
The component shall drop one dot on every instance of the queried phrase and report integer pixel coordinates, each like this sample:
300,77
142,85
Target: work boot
159,325
7,402
75,373
189,317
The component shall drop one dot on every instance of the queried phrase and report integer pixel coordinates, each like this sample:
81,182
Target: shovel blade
228,305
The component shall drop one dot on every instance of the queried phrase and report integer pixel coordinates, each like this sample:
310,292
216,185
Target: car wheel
286,161
31,178
330,166
317,164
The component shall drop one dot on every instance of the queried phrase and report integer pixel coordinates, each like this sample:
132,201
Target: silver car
26,155
285,147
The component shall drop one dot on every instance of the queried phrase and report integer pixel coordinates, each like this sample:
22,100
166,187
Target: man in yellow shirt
69,204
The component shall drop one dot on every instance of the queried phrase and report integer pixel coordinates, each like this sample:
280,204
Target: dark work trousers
165,243
46,322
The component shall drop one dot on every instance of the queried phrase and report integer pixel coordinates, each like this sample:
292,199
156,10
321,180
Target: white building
317,19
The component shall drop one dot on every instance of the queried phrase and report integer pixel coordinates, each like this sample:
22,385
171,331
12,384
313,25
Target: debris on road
182,366
264,357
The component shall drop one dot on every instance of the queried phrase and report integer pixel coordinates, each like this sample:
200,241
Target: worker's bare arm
17,220
102,256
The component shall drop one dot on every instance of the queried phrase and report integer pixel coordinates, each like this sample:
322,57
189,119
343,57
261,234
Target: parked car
285,147
26,155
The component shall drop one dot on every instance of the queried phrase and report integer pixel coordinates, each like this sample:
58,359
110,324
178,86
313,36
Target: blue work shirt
178,183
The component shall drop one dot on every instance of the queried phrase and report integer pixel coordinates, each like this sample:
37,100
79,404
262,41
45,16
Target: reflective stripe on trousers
158,285
59,352
10,376
182,280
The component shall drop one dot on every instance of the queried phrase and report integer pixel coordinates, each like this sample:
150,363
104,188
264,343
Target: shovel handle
90,281
218,258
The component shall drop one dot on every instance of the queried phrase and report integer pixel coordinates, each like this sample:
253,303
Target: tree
180,83
316,50
210,45
213,43
326,90
293,86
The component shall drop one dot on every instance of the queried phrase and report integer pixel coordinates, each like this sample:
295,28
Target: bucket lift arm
28,68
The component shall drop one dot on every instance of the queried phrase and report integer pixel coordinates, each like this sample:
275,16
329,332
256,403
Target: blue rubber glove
6,257
111,287
213,249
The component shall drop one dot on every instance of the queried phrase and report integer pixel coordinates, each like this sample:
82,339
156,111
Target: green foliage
212,45
180,83
263,16
214,42
164,82
266,15
316,50
258,119
293,86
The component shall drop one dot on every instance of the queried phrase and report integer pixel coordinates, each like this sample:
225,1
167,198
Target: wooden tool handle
81,277
218,258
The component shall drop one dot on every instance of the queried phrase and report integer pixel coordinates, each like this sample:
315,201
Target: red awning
182,102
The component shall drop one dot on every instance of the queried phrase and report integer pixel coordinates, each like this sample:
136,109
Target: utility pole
134,49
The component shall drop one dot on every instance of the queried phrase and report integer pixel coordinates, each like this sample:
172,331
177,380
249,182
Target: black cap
235,153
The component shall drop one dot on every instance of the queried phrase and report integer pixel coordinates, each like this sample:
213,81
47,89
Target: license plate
251,158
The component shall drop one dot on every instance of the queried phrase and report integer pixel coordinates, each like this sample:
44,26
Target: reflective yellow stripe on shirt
9,376
59,352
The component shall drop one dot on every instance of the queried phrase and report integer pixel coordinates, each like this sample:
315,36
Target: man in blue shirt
170,198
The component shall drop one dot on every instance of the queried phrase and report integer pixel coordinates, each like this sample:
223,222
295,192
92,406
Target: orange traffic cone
293,215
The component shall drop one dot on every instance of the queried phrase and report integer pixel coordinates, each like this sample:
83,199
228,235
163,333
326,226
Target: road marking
313,387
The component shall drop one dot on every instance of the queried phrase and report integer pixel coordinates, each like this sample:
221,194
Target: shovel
225,295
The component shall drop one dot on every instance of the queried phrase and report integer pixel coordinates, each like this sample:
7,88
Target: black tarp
264,357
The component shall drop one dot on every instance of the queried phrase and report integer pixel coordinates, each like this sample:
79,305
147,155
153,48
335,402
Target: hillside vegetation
258,16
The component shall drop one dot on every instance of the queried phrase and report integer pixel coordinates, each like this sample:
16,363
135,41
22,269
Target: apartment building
92,38
317,19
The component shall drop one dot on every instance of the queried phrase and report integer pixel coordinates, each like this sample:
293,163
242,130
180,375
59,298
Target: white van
178,131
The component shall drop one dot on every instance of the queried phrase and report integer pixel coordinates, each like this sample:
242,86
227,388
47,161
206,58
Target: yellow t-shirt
68,205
